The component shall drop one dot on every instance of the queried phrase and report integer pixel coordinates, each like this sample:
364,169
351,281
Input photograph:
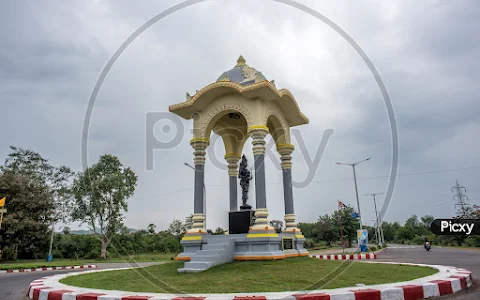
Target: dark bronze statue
245,177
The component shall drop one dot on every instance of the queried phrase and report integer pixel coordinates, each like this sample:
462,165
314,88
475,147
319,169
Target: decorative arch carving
274,111
213,114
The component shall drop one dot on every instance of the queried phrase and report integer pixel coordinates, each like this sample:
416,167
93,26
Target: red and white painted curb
49,269
448,280
346,256
358,256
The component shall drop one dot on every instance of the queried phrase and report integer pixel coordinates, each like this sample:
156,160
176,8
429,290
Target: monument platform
205,251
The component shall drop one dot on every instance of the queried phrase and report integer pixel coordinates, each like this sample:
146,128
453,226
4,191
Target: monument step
216,246
190,270
210,251
204,258
202,265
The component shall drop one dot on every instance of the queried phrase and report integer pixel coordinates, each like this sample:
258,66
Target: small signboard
287,243
362,238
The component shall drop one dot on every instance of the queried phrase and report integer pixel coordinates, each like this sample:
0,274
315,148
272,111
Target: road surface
467,259
14,286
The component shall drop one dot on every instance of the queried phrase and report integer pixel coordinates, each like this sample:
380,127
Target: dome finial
240,61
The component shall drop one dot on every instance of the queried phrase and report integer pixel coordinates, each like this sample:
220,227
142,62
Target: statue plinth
240,221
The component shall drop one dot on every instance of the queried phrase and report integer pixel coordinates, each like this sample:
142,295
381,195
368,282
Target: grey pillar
233,193
258,134
232,160
260,191
198,190
287,191
286,151
199,144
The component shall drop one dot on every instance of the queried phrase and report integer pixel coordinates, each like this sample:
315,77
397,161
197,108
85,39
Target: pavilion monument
242,103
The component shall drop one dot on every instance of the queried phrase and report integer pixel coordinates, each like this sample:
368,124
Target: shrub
9,254
309,243
473,241
373,248
418,240
57,253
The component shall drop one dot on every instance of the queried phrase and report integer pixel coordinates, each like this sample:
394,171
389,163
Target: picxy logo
455,227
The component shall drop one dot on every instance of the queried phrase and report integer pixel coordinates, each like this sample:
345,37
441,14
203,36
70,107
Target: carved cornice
282,93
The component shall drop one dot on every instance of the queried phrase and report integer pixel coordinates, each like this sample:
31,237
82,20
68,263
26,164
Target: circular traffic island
295,274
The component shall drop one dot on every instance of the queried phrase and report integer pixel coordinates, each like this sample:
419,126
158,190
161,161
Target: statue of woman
245,177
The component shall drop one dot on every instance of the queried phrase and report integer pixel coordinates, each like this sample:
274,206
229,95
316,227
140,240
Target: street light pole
204,197
356,188
378,229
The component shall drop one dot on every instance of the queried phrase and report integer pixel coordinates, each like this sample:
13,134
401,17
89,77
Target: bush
472,241
418,240
373,248
309,243
9,254
57,254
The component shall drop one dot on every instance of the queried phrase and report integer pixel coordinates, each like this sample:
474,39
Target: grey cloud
427,67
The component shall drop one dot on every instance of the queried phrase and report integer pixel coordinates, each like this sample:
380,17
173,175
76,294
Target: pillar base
293,230
261,222
196,231
198,224
290,225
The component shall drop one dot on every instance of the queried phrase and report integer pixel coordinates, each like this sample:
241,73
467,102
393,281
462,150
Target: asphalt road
14,286
467,259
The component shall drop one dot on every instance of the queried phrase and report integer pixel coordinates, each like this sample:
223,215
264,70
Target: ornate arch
279,128
211,116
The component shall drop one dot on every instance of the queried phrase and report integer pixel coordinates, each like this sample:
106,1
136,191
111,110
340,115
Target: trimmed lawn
41,263
302,273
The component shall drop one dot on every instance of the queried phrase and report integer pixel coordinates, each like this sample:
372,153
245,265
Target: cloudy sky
53,52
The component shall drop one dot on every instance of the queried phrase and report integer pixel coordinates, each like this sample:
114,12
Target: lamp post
356,188
204,197
378,229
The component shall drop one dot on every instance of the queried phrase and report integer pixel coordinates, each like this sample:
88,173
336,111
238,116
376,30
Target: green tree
25,227
101,194
390,230
176,228
326,229
349,224
66,230
405,234
123,230
151,228
38,170
413,223
426,220
309,230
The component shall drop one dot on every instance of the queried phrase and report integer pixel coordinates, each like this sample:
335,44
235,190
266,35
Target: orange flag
2,201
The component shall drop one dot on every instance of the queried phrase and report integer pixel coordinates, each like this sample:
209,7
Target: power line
323,181
401,175
374,177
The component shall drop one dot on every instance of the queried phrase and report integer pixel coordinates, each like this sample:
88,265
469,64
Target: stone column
232,160
286,163
199,145
258,134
